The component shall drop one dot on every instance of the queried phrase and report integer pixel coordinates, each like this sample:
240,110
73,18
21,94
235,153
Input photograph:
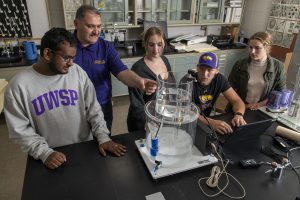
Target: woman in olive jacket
255,77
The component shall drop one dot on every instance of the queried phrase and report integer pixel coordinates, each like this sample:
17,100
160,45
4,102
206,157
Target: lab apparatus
171,120
171,127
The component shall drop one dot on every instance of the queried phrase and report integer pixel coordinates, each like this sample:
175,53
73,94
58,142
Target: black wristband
238,113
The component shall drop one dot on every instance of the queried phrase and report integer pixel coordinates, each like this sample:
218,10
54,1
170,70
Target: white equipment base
197,160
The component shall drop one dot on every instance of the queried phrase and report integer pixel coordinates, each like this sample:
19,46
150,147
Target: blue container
286,98
30,50
274,100
154,147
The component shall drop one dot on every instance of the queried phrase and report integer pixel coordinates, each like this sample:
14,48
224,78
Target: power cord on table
213,180
216,172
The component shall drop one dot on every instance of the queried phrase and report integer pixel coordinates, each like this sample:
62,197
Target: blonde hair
265,38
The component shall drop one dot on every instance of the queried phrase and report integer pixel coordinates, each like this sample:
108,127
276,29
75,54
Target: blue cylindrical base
154,147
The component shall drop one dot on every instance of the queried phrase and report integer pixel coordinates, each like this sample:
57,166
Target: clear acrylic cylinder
171,121
174,94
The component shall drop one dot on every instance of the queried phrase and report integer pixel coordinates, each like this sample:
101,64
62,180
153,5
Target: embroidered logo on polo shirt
99,62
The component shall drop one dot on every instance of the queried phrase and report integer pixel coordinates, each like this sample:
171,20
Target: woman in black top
152,64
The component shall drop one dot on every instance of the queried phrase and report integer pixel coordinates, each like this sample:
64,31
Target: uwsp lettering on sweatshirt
54,99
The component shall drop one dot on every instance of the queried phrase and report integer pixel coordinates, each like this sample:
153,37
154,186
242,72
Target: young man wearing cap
210,84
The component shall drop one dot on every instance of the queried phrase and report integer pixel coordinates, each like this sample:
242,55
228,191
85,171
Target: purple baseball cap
209,59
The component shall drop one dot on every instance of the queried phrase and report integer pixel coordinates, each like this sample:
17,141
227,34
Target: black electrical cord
267,150
213,135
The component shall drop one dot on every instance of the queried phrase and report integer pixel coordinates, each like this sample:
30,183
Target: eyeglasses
64,57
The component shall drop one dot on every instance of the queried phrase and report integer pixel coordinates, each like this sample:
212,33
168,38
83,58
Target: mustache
94,34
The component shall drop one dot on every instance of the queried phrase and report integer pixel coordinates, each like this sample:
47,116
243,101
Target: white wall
38,17
255,16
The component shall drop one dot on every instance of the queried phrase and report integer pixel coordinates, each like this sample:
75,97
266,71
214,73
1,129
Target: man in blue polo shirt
99,58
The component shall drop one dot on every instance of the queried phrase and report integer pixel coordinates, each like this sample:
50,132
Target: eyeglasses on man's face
65,58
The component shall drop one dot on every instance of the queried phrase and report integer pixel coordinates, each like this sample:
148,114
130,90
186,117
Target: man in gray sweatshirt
53,103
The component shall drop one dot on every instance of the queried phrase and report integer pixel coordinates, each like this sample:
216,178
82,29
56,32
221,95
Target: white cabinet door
152,10
181,11
222,61
9,72
113,11
210,11
70,7
184,62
